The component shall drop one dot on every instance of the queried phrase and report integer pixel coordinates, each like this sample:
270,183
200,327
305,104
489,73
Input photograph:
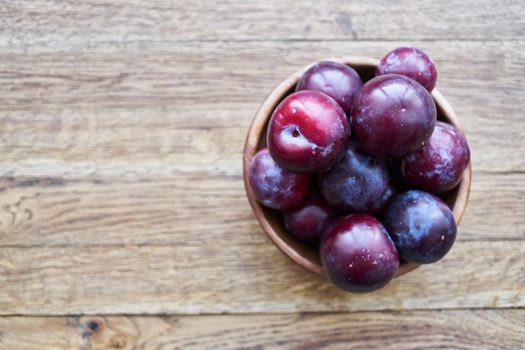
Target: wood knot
344,20
92,327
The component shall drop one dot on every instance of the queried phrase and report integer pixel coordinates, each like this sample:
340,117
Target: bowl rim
258,126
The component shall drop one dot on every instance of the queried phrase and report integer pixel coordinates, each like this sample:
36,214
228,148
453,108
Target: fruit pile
357,168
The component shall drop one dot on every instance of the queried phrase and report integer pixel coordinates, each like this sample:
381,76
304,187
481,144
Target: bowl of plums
357,168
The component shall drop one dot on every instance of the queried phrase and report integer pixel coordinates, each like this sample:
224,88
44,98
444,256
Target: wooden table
123,218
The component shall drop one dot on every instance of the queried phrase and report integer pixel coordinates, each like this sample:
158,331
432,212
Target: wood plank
151,204
97,22
241,279
160,101
457,329
493,211
147,210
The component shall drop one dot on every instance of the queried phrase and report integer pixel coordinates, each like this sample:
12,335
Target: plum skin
357,253
308,132
337,80
411,62
439,165
274,186
421,226
359,182
393,115
307,220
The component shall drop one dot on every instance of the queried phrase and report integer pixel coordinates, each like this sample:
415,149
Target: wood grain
121,133
97,23
212,278
458,329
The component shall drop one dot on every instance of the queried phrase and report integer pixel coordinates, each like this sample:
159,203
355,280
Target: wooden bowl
271,220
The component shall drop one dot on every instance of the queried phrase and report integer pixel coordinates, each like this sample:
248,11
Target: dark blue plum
359,182
421,226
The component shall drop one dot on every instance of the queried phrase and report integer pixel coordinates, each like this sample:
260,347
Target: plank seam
337,312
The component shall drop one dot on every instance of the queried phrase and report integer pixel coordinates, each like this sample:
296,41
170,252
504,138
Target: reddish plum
274,186
338,81
421,226
308,132
410,62
307,221
393,115
439,165
357,253
359,182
